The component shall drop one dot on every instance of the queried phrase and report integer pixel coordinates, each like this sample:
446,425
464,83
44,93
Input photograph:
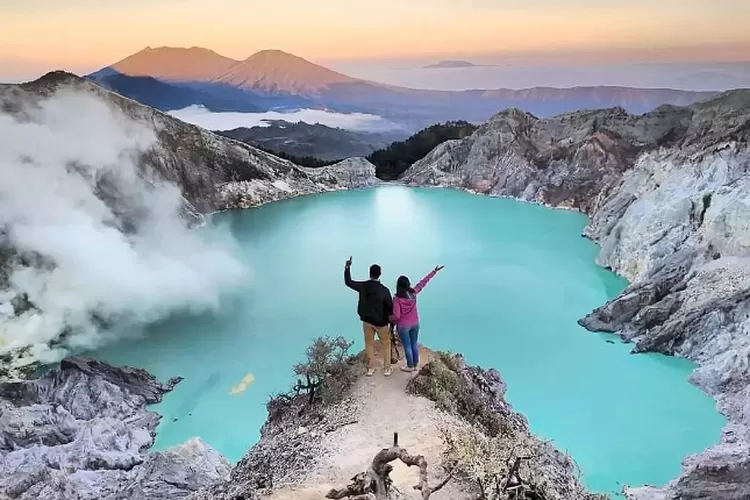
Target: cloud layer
198,115
115,253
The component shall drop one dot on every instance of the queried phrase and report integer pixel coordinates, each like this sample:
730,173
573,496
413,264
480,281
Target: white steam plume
56,160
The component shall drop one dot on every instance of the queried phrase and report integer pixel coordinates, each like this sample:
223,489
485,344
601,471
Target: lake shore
305,450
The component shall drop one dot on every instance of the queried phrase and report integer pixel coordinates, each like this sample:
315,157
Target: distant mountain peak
451,64
274,70
273,53
177,64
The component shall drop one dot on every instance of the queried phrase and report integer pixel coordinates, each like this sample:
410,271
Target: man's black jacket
375,305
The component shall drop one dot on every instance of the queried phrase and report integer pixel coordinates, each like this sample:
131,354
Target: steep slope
82,431
176,64
167,97
278,79
120,183
392,161
313,140
275,71
667,195
455,413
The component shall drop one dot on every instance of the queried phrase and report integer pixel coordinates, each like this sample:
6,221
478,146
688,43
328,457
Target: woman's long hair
403,288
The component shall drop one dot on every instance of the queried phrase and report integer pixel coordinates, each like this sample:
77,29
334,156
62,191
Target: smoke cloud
101,248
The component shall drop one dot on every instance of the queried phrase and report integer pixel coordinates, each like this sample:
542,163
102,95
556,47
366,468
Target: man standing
375,307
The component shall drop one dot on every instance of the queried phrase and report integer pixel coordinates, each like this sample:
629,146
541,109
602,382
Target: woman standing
406,317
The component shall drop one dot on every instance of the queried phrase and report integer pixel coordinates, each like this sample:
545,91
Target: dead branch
376,482
513,483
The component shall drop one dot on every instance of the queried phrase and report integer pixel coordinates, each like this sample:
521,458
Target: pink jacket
405,309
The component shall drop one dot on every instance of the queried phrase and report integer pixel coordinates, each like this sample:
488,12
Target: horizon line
707,93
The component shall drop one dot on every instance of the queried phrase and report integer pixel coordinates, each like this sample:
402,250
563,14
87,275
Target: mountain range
316,140
666,194
273,79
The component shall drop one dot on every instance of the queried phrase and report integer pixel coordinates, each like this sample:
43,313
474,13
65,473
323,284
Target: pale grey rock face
668,195
212,173
563,161
198,161
352,173
82,431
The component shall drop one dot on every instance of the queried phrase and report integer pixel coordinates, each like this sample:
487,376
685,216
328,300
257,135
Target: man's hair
375,271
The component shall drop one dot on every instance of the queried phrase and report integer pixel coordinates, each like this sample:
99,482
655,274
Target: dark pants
409,336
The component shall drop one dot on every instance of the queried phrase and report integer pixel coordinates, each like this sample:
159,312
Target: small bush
450,360
511,466
329,371
443,381
438,383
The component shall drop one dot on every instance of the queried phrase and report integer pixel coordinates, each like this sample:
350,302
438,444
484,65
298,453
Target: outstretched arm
348,281
423,282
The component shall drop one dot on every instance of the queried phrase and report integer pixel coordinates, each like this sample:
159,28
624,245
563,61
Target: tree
326,357
393,161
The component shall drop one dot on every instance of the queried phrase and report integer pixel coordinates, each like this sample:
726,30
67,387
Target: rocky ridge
302,447
199,162
667,194
213,173
675,178
81,432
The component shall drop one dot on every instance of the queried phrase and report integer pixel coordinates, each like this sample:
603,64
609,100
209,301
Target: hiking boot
370,372
407,369
387,372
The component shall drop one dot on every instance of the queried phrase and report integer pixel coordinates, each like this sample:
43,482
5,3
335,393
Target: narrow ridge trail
382,408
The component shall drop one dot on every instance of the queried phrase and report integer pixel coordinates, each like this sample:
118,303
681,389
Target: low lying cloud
101,247
198,115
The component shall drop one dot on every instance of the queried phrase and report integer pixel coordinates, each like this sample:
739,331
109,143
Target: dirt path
383,407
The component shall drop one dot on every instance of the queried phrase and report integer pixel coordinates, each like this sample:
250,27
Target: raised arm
423,282
348,281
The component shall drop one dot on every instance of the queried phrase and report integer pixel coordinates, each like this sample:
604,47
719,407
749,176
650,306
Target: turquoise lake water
517,278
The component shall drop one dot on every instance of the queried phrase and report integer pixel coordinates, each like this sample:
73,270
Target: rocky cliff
82,431
458,422
197,161
114,177
667,194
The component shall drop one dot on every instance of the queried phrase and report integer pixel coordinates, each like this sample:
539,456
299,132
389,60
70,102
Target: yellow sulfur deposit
243,385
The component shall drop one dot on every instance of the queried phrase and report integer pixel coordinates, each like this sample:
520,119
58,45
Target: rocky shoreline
213,173
82,431
666,194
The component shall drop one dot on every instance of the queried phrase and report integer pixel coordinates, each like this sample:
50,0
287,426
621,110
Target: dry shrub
447,382
511,466
327,375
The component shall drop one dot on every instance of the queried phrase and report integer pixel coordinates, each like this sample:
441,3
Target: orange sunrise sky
87,34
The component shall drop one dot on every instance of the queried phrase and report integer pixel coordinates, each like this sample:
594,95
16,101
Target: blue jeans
408,335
